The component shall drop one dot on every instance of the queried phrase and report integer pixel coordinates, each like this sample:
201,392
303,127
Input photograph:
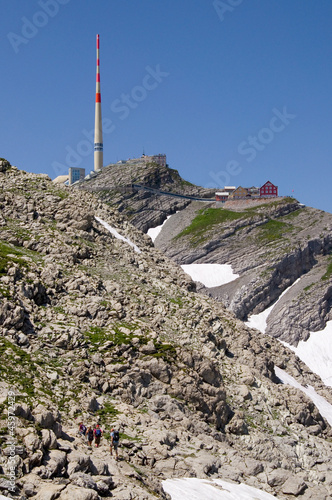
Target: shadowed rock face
92,331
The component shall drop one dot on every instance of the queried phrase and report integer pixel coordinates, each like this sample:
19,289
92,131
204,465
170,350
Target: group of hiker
96,434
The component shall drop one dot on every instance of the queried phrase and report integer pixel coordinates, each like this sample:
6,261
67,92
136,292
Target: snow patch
259,321
154,231
201,489
210,274
324,407
117,235
316,353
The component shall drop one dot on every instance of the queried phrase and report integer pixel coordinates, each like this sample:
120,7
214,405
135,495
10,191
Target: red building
222,196
268,190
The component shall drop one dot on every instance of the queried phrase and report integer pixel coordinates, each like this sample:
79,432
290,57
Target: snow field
201,489
316,353
210,274
259,321
117,235
325,408
154,231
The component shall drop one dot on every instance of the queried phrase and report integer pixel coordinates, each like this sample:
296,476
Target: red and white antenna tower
98,147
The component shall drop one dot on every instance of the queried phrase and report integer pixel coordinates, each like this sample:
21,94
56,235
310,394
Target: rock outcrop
93,330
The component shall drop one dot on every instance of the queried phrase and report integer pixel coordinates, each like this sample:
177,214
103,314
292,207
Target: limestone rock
49,492
54,463
44,417
79,493
294,486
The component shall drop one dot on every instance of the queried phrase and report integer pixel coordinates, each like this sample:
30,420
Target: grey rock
294,486
98,467
79,493
277,477
54,461
83,480
44,417
78,462
49,492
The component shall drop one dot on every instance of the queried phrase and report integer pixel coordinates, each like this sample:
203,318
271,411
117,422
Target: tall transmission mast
98,146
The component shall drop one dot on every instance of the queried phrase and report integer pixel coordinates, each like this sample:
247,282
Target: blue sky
235,92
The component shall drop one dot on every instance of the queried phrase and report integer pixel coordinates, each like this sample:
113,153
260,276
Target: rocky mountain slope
122,187
271,246
92,329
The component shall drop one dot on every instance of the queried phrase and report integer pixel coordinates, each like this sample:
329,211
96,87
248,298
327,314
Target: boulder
22,410
44,417
49,439
98,467
210,373
83,480
54,462
148,348
168,438
32,442
78,493
277,477
35,459
250,467
31,484
294,486
77,462
49,492
237,425
4,165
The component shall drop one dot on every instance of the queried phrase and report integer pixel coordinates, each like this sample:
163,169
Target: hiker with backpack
82,429
97,434
115,438
90,436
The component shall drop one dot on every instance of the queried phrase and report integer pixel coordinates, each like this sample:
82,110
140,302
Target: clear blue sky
234,92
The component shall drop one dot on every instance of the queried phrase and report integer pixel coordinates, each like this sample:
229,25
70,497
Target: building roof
269,183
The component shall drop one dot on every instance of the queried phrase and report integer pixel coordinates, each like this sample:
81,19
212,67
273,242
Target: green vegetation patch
97,335
17,229
328,273
294,214
18,367
273,230
12,254
206,219
165,351
177,300
108,410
